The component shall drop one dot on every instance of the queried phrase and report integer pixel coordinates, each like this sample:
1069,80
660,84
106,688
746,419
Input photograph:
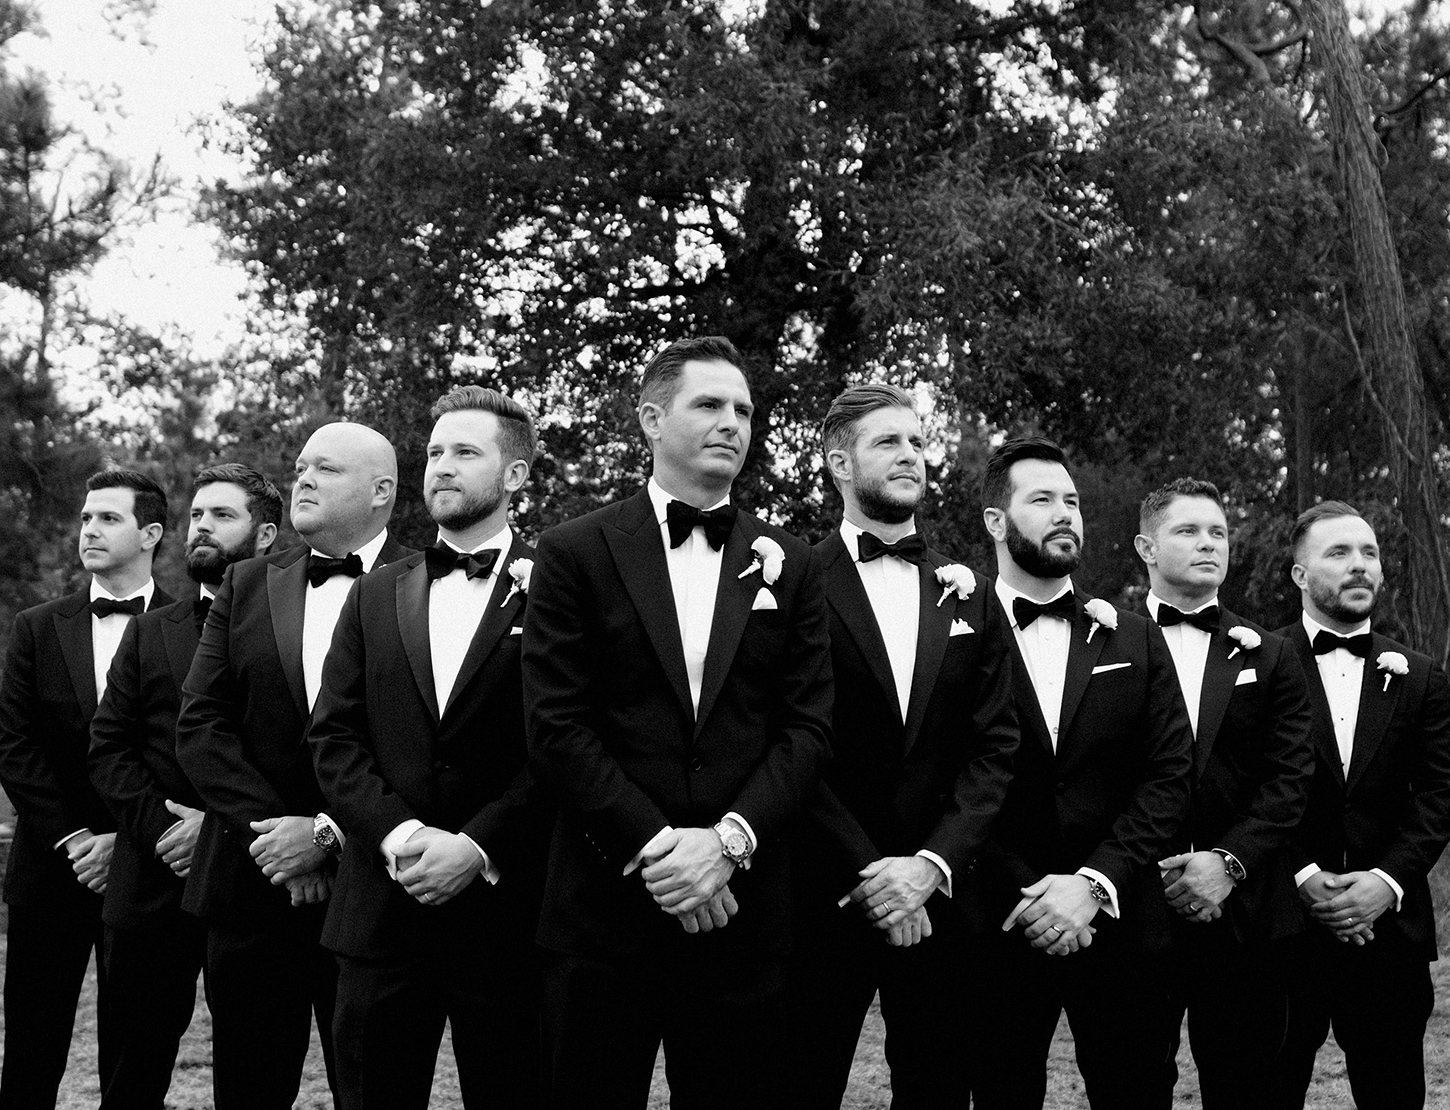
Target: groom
677,687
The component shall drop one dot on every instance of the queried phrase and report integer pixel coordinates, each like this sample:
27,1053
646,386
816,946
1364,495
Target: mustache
1061,533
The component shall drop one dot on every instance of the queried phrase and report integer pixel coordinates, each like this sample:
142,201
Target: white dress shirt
1189,647
1044,646
320,612
1342,674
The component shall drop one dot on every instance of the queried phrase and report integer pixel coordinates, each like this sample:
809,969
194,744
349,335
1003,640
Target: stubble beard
473,508
1036,559
878,504
1327,600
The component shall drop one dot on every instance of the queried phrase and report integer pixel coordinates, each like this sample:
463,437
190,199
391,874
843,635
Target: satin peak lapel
933,629
848,598
733,599
498,618
1377,702
1082,656
1326,747
287,599
73,630
1219,675
411,593
180,635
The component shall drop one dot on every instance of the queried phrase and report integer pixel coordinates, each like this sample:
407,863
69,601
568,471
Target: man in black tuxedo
55,672
154,950
677,685
262,868
925,728
1067,889
1229,887
418,737
1378,819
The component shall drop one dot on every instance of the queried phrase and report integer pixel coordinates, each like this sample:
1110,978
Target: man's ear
266,537
150,536
996,521
649,420
1146,548
838,464
384,486
515,475
1299,575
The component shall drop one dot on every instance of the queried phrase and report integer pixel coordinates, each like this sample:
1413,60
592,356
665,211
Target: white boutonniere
1245,638
1392,663
1102,614
956,577
769,558
520,570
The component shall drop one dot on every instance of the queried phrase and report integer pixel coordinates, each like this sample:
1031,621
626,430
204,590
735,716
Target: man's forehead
1335,530
219,493
1030,475
1186,508
112,498
893,419
712,375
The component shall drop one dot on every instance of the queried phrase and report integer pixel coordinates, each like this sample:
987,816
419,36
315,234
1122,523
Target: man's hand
912,930
284,849
1054,911
1196,884
690,873
308,889
176,847
714,914
1313,891
1354,902
90,858
434,865
894,888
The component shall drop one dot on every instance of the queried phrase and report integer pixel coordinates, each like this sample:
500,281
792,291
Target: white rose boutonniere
1392,663
769,558
956,577
1244,638
1102,614
520,570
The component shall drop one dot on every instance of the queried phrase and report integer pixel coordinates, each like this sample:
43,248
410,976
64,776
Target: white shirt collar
502,539
368,552
851,535
1311,626
145,591
661,500
1154,601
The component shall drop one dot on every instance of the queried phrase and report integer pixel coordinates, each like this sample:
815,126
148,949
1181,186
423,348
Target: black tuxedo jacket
936,780
612,732
1114,795
1392,810
133,760
387,752
241,737
1252,762
47,699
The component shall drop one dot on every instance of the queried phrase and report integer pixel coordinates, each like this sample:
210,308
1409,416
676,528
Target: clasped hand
1056,912
283,848
690,873
434,865
177,846
90,858
893,893
1349,904
1196,884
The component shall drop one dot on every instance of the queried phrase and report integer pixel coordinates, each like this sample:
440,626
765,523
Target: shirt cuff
1111,909
1304,874
490,872
395,840
171,828
651,847
61,842
1231,861
749,835
1399,890
946,884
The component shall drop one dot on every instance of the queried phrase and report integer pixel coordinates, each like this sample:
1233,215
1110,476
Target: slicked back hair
1155,505
997,478
516,436
838,430
661,377
150,497
1325,510
264,501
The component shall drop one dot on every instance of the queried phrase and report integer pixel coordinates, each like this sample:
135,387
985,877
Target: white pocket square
1110,667
1247,675
519,631
764,599
961,628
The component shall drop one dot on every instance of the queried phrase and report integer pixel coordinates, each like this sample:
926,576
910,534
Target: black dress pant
152,971
47,950
264,984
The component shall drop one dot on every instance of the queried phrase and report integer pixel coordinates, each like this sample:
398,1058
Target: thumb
177,809
1334,882
266,825
1180,860
1037,888
871,870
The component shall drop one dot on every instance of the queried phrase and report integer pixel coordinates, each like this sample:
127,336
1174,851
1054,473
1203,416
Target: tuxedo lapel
733,598
180,635
934,626
498,618
287,599
847,597
73,631
1022,679
411,593
639,556
1323,729
1220,673
1377,701
1082,656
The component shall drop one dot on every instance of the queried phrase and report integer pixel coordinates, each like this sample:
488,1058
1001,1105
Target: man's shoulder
789,541
171,611
1418,661
65,606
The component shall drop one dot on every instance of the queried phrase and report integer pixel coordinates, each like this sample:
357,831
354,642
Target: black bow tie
1326,641
1025,610
911,548
200,608
320,568
443,561
1206,619
682,519
105,606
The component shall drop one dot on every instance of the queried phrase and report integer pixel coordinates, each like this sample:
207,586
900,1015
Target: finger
1173,862
1017,912
266,825
718,916
183,870
1037,888
727,900
925,925
872,869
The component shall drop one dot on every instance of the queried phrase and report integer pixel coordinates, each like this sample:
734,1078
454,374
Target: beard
1328,600
880,504
473,507
207,560
1036,559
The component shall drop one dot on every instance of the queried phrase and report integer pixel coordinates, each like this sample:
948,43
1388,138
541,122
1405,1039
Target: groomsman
677,685
1230,886
154,951
418,736
262,864
1069,883
1378,819
925,729
55,672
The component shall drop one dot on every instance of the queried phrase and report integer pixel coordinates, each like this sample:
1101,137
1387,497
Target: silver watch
734,844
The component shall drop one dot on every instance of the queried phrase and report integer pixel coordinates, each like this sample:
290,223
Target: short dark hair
662,373
150,498
264,502
1311,516
516,435
1150,512
838,430
997,478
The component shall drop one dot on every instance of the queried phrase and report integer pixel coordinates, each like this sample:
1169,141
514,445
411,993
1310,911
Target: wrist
734,844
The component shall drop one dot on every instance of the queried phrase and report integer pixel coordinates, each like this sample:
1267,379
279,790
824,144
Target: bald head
347,477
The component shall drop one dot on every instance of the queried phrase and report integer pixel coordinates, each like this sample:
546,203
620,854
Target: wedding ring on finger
1349,921
1192,907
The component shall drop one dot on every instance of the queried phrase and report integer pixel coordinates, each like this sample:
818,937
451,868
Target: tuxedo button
696,765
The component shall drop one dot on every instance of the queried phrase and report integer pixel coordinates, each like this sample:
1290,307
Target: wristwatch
1099,892
1231,865
324,836
734,844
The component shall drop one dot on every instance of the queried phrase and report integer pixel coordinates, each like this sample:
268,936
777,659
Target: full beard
470,510
1036,559
207,562
878,504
